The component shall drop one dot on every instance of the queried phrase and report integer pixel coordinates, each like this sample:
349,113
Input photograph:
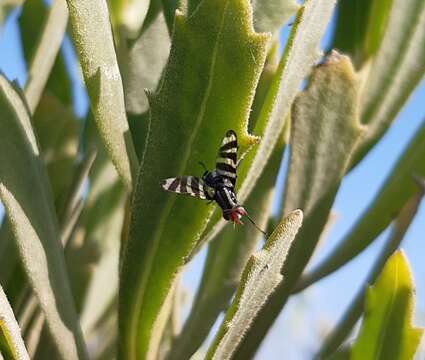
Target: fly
217,185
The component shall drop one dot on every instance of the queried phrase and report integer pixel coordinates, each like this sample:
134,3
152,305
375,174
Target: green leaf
301,52
261,276
387,331
325,130
384,208
201,96
270,15
146,58
354,311
226,259
57,132
44,54
392,75
94,42
10,329
103,223
360,28
32,21
26,196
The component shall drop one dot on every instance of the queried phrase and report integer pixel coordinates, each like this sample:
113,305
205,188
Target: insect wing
190,185
227,157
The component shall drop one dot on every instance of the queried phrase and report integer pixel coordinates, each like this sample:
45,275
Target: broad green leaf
261,276
201,96
392,75
34,18
226,259
301,52
270,15
360,28
145,60
383,209
10,329
324,132
334,340
26,196
44,55
387,331
94,42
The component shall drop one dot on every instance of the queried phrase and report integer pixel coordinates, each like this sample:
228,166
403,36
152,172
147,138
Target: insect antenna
253,223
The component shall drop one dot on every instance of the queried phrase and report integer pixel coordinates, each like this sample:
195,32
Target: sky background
311,314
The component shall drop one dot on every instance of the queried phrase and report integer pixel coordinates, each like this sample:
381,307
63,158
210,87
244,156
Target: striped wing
190,185
227,158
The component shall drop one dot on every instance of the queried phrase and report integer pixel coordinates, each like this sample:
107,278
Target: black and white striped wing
190,185
227,158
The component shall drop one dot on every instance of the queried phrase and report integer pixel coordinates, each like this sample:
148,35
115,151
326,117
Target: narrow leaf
380,212
260,278
394,72
103,224
10,329
194,107
94,42
301,52
360,28
270,15
46,51
387,331
32,21
325,130
25,193
226,259
354,311
146,58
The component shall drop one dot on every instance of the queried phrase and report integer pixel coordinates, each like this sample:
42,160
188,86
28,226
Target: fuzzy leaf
103,223
25,193
57,131
384,208
387,331
324,132
10,329
301,52
146,58
32,21
260,278
44,55
360,28
353,313
202,95
270,15
394,72
92,35
226,259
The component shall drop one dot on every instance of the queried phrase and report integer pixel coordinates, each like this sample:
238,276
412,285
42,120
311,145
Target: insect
217,185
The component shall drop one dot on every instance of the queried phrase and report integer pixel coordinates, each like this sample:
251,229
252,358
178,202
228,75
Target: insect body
217,185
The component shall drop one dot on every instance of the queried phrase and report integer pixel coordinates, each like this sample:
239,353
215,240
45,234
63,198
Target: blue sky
315,310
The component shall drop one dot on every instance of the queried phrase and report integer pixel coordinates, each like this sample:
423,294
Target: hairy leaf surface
261,276
26,196
201,96
387,331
